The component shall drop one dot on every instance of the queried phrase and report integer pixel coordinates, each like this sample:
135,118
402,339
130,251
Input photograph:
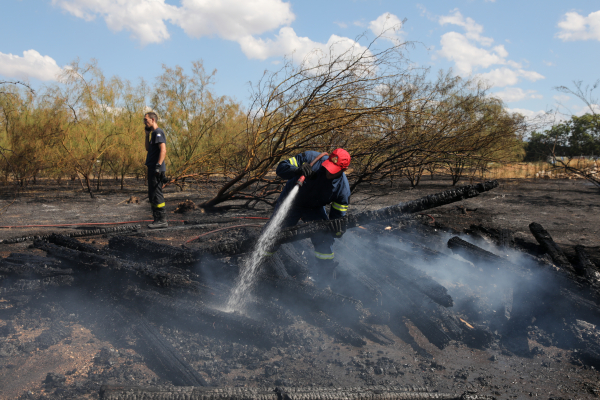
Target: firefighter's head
336,164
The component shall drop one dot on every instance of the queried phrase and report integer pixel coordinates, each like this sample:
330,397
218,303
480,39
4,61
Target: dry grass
535,170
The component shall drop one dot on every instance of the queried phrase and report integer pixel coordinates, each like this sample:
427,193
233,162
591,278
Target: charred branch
111,392
584,266
479,255
165,359
550,247
82,233
308,229
298,294
86,262
70,243
202,318
139,249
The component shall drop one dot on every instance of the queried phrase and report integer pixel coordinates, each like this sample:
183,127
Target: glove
163,178
157,170
338,227
305,169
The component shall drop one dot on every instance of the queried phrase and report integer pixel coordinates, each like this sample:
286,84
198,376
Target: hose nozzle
301,180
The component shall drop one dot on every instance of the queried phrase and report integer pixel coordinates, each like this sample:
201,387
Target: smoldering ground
403,310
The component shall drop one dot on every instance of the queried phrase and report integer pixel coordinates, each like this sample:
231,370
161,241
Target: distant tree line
394,121
576,137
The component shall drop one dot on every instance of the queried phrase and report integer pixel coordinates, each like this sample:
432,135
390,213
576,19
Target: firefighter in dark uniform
156,146
325,183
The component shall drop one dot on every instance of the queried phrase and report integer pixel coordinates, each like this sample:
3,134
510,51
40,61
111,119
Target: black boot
325,273
160,219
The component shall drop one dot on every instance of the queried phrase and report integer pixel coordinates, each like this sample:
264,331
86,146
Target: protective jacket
317,191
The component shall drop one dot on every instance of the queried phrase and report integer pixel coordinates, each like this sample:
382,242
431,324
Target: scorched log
585,266
87,262
165,359
550,247
198,317
308,229
112,392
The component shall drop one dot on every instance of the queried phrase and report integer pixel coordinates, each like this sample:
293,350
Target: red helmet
338,161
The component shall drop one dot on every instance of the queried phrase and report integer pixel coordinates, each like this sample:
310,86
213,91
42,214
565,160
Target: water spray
241,291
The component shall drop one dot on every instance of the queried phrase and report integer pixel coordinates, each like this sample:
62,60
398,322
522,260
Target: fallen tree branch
308,229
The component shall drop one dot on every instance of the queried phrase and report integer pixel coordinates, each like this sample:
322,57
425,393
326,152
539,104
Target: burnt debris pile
477,290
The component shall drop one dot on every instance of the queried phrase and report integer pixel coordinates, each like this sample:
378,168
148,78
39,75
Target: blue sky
523,48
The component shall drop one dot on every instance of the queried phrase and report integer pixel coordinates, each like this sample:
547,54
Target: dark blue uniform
155,185
314,195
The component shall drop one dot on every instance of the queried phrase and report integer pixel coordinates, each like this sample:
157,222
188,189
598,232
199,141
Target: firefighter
156,147
325,183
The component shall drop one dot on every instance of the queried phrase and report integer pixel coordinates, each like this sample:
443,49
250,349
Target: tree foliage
389,115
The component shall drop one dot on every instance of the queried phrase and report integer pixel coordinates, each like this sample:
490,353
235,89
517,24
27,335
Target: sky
523,49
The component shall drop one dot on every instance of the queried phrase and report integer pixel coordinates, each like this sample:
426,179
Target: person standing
156,147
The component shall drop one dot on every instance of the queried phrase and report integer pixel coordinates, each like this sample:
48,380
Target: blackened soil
53,346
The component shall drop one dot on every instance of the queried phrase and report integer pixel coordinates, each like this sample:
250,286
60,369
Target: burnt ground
62,343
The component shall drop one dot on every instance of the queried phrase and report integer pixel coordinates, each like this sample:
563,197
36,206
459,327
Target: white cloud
145,19
342,25
529,114
466,56
472,51
501,77
236,20
389,26
562,98
473,29
31,65
574,26
581,109
303,49
233,19
548,63
511,95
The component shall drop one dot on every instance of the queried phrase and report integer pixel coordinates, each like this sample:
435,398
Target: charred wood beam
567,297
294,261
70,243
86,262
502,237
476,253
8,270
82,233
406,275
274,265
427,254
584,266
11,287
202,318
297,294
550,247
308,229
165,359
372,334
111,392
139,249
18,265
329,325
215,221
587,340
398,302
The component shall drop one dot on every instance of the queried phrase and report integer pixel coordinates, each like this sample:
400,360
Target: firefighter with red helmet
325,183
